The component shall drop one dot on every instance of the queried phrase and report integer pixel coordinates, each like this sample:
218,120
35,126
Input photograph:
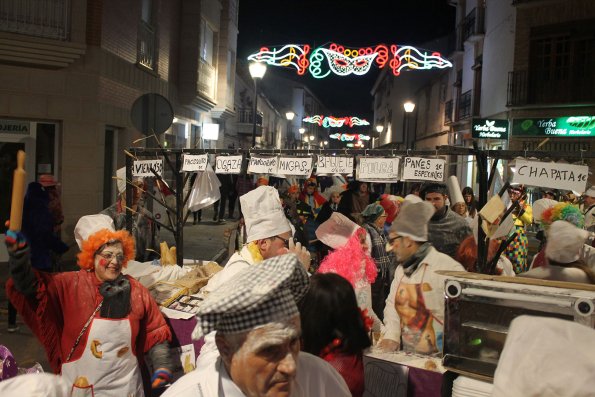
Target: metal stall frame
482,157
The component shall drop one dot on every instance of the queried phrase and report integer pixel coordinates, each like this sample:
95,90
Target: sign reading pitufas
489,129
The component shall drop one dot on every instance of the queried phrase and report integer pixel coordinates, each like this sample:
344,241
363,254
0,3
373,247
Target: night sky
349,23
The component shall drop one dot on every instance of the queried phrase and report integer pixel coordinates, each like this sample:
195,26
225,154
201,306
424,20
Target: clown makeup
108,262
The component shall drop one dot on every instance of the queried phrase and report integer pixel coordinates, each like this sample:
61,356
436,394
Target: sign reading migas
489,129
573,126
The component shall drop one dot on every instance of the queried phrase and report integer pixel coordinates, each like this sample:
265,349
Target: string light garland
335,122
344,61
349,137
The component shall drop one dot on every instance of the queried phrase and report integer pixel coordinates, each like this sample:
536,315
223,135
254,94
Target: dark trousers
233,198
380,291
12,314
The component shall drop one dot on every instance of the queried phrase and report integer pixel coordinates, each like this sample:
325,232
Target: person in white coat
414,311
268,234
258,330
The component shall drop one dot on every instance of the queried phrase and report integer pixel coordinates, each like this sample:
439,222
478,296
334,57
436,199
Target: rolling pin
18,193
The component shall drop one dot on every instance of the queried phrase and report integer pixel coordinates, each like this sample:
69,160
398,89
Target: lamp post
289,116
409,108
302,131
379,129
257,71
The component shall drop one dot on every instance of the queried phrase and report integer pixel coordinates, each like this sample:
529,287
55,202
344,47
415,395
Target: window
147,11
146,36
206,42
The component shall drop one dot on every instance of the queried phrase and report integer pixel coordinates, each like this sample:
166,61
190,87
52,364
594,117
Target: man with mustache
258,332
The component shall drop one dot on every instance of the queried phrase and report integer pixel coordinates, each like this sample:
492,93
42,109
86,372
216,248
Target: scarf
411,264
116,297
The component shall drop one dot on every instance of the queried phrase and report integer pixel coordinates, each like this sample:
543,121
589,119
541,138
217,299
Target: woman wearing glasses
95,324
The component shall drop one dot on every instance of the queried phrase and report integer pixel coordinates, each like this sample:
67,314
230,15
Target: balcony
473,25
464,106
206,80
40,18
146,45
245,122
526,88
455,41
448,108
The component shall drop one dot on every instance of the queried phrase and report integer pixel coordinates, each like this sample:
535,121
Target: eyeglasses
285,241
391,241
109,257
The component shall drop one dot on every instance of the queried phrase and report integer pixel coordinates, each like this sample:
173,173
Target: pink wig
346,261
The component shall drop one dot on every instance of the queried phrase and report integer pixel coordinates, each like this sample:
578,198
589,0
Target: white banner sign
334,165
228,164
378,168
143,167
421,169
553,175
262,165
194,162
301,166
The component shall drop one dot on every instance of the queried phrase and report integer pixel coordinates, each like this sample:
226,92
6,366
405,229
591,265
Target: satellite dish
152,114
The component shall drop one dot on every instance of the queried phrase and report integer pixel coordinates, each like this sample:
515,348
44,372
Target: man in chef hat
589,208
268,234
256,323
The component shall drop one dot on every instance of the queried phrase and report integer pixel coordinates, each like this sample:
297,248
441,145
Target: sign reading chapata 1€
552,175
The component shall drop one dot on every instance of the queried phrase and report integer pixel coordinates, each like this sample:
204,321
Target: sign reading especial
573,126
489,129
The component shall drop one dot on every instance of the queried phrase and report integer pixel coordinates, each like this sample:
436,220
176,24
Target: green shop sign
573,126
489,129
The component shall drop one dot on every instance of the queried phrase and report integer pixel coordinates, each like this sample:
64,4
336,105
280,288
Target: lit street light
409,107
289,115
257,71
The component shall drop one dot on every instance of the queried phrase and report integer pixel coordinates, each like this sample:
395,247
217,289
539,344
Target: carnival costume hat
539,206
413,221
454,190
545,348
92,232
263,214
562,212
565,242
256,296
590,192
47,180
336,231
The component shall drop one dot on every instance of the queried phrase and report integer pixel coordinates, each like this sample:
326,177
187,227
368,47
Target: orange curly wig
86,258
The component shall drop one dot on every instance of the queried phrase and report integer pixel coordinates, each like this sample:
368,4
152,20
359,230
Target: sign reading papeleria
343,61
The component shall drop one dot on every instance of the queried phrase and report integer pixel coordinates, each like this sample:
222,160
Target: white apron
108,366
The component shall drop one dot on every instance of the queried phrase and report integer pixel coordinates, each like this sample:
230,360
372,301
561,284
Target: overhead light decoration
335,122
349,137
344,61
358,144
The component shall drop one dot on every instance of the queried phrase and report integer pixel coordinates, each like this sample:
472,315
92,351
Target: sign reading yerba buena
573,126
489,129
553,175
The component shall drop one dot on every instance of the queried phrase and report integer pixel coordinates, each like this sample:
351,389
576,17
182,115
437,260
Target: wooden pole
18,193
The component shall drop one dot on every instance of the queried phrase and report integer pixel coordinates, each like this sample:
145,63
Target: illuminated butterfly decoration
344,61
336,122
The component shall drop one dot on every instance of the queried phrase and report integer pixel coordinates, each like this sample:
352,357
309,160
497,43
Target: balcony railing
146,45
525,88
40,18
448,108
245,121
206,79
455,40
464,108
473,24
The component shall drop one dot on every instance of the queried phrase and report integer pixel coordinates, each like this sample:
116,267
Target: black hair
472,206
328,311
432,187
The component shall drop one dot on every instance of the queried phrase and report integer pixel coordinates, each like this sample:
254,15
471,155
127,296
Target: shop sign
378,168
334,165
299,166
228,164
143,167
573,126
194,162
14,127
489,129
420,169
552,175
262,165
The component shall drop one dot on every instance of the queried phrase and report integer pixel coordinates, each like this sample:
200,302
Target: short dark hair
432,188
328,311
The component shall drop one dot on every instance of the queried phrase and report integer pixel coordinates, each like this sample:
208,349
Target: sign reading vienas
143,167
489,129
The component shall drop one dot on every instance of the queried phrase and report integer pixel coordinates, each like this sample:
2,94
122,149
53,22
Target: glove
14,240
160,378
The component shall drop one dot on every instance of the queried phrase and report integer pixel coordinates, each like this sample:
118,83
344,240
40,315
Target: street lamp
379,129
409,108
289,115
257,71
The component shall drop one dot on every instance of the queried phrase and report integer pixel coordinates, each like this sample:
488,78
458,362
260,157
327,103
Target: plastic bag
205,190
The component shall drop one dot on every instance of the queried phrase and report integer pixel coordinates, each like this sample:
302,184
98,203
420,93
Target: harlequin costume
518,249
95,333
314,200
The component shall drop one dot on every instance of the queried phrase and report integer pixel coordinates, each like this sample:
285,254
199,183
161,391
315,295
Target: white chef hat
336,231
538,354
590,192
263,213
256,296
90,224
454,190
565,242
412,221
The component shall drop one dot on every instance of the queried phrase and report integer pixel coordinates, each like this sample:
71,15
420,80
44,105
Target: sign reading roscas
573,126
489,129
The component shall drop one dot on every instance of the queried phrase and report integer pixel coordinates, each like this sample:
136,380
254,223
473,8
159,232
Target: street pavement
204,241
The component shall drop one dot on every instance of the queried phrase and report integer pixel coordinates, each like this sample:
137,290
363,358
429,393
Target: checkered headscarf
256,296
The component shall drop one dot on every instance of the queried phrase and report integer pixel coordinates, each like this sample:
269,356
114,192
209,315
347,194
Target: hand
160,378
302,253
14,240
388,345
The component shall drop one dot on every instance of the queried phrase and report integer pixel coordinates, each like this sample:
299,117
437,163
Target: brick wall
120,28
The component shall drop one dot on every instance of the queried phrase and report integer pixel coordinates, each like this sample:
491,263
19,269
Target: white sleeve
392,322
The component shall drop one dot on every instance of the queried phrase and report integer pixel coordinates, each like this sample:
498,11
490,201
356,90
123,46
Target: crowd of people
319,274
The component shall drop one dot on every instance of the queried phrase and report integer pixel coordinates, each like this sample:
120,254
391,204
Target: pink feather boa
346,261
